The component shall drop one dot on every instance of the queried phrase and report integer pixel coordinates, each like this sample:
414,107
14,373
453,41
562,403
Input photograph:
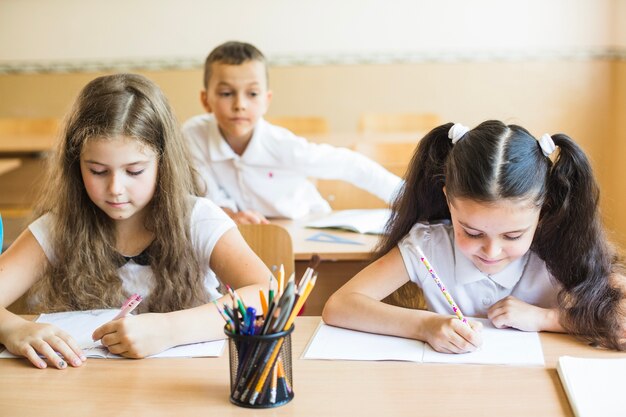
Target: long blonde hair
84,274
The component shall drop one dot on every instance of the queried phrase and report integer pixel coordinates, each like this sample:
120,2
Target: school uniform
271,176
526,278
208,223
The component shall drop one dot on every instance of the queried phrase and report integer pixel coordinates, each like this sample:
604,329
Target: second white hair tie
457,131
547,144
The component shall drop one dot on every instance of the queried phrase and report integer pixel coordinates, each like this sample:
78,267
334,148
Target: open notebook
366,221
500,346
594,386
81,324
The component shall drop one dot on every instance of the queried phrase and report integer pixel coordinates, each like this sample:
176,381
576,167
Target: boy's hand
249,217
513,312
134,336
448,334
31,340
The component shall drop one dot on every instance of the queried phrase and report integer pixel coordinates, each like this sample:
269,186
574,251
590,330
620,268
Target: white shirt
271,175
526,278
208,224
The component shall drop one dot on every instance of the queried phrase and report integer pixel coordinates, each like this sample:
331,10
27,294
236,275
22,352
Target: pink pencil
128,306
442,287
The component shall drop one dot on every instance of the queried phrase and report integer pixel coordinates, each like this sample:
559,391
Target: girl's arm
146,334
20,266
357,306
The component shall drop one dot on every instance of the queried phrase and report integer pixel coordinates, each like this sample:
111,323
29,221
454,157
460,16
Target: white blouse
526,278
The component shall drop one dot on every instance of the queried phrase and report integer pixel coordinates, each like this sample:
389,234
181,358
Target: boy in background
255,170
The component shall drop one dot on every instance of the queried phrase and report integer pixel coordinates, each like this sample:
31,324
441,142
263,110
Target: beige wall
616,204
582,98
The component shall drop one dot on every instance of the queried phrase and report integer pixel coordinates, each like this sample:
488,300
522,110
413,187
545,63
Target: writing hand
133,336
448,334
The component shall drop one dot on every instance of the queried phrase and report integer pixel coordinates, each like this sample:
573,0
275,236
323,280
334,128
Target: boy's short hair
232,53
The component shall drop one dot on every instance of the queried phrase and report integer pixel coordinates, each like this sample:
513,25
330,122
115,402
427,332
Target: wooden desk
26,144
194,387
340,261
9,164
329,251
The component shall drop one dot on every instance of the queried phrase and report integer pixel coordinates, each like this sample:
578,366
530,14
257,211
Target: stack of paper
594,386
500,346
81,325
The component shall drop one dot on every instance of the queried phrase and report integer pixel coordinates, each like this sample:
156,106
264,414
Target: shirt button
486,301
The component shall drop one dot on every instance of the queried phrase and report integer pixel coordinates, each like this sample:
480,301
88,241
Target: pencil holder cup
260,369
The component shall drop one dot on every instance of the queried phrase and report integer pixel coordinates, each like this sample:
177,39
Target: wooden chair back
301,125
272,243
394,156
398,122
342,195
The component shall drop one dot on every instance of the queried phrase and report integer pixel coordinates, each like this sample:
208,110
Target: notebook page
500,347
81,325
362,221
330,342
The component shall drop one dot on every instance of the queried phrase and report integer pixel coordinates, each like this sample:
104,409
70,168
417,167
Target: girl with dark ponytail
511,224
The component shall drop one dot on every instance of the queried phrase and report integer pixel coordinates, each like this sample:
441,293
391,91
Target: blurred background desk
339,261
192,387
25,144
9,164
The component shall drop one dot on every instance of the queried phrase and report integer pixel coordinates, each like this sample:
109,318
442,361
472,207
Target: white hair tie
547,144
457,131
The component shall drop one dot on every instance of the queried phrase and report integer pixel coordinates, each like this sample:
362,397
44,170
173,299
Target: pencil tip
315,261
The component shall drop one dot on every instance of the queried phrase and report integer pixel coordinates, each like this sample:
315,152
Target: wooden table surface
303,248
200,386
9,164
26,143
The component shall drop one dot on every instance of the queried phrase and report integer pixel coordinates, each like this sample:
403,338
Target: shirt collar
221,151
466,272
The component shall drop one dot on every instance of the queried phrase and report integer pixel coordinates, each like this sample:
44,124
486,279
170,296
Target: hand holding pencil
448,341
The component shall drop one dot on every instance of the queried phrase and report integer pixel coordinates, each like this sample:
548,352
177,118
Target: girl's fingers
76,349
109,340
44,349
65,349
34,358
116,349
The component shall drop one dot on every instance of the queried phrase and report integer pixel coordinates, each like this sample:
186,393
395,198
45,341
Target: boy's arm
329,162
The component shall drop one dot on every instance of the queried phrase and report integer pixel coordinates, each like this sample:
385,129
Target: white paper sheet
500,346
594,386
81,325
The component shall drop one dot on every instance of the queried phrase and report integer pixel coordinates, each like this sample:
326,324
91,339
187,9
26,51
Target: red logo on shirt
271,174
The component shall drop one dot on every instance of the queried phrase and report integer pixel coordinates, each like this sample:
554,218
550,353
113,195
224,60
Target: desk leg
332,275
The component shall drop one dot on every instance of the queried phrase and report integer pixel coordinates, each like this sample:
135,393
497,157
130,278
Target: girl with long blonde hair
118,216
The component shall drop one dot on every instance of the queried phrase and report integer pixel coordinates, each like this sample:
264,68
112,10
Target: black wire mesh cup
260,369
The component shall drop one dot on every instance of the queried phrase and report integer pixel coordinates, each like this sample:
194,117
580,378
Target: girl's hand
31,339
513,312
448,334
134,336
